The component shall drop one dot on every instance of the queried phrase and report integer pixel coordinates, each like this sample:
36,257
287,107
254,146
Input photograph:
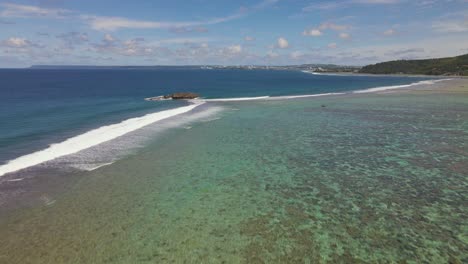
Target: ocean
266,167
41,107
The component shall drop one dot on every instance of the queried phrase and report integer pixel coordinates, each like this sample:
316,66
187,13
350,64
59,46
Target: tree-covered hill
442,66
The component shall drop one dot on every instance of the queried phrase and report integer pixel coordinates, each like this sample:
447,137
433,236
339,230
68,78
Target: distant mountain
443,66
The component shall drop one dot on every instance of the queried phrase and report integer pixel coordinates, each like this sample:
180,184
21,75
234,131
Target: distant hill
443,66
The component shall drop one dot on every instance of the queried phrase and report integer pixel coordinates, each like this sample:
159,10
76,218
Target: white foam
309,72
15,180
329,73
232,99
263,98
90,139
302,96
97,166
384,88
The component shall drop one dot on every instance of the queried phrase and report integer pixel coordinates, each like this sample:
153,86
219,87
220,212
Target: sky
222,32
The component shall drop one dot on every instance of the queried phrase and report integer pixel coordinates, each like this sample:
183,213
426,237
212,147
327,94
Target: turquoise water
340,179
41,107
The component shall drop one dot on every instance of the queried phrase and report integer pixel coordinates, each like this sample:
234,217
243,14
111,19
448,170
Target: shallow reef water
340,179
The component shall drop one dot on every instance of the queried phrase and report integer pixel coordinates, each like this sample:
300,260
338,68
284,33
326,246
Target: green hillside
443,66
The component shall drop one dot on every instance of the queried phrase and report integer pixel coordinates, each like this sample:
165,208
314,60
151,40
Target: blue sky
271,32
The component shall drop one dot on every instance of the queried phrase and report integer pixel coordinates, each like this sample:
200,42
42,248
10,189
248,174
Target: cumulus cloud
140,47
271,54
333,26
249,38
332,45
14,42
312,32
234,49
344,35
389,32
19,44
282,43
318,31
184,41
131,47
72,39
109,38
296,54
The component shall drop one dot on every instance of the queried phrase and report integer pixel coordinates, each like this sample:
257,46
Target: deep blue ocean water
39,107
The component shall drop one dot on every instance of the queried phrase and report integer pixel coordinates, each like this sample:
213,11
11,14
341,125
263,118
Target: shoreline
384,75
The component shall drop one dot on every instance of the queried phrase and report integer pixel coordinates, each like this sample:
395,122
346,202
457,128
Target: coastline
394,75
448,87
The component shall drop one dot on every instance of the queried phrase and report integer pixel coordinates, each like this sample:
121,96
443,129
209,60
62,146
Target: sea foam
264,98
232,99
384,88
91,138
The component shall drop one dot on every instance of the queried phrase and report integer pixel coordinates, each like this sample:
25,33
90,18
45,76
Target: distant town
303,67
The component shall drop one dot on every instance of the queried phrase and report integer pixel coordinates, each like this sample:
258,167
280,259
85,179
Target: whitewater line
384,88
265,98
232,99
91,138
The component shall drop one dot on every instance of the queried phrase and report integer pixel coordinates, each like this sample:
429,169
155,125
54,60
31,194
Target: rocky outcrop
182,96
175,96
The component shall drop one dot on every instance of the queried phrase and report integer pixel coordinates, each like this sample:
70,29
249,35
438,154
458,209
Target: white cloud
271,54
182,41
234,49
320,6
282,43
375,1
312,32
451,26
333,26
265,3
389,32
249,38
296,54
109,38
344,35
332,45
337,4
15,42
71,39
24,11
131,47
111,23
198,29
115,23
318,31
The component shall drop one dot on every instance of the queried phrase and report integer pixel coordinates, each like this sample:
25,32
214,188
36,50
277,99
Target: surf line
384,88
91,138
